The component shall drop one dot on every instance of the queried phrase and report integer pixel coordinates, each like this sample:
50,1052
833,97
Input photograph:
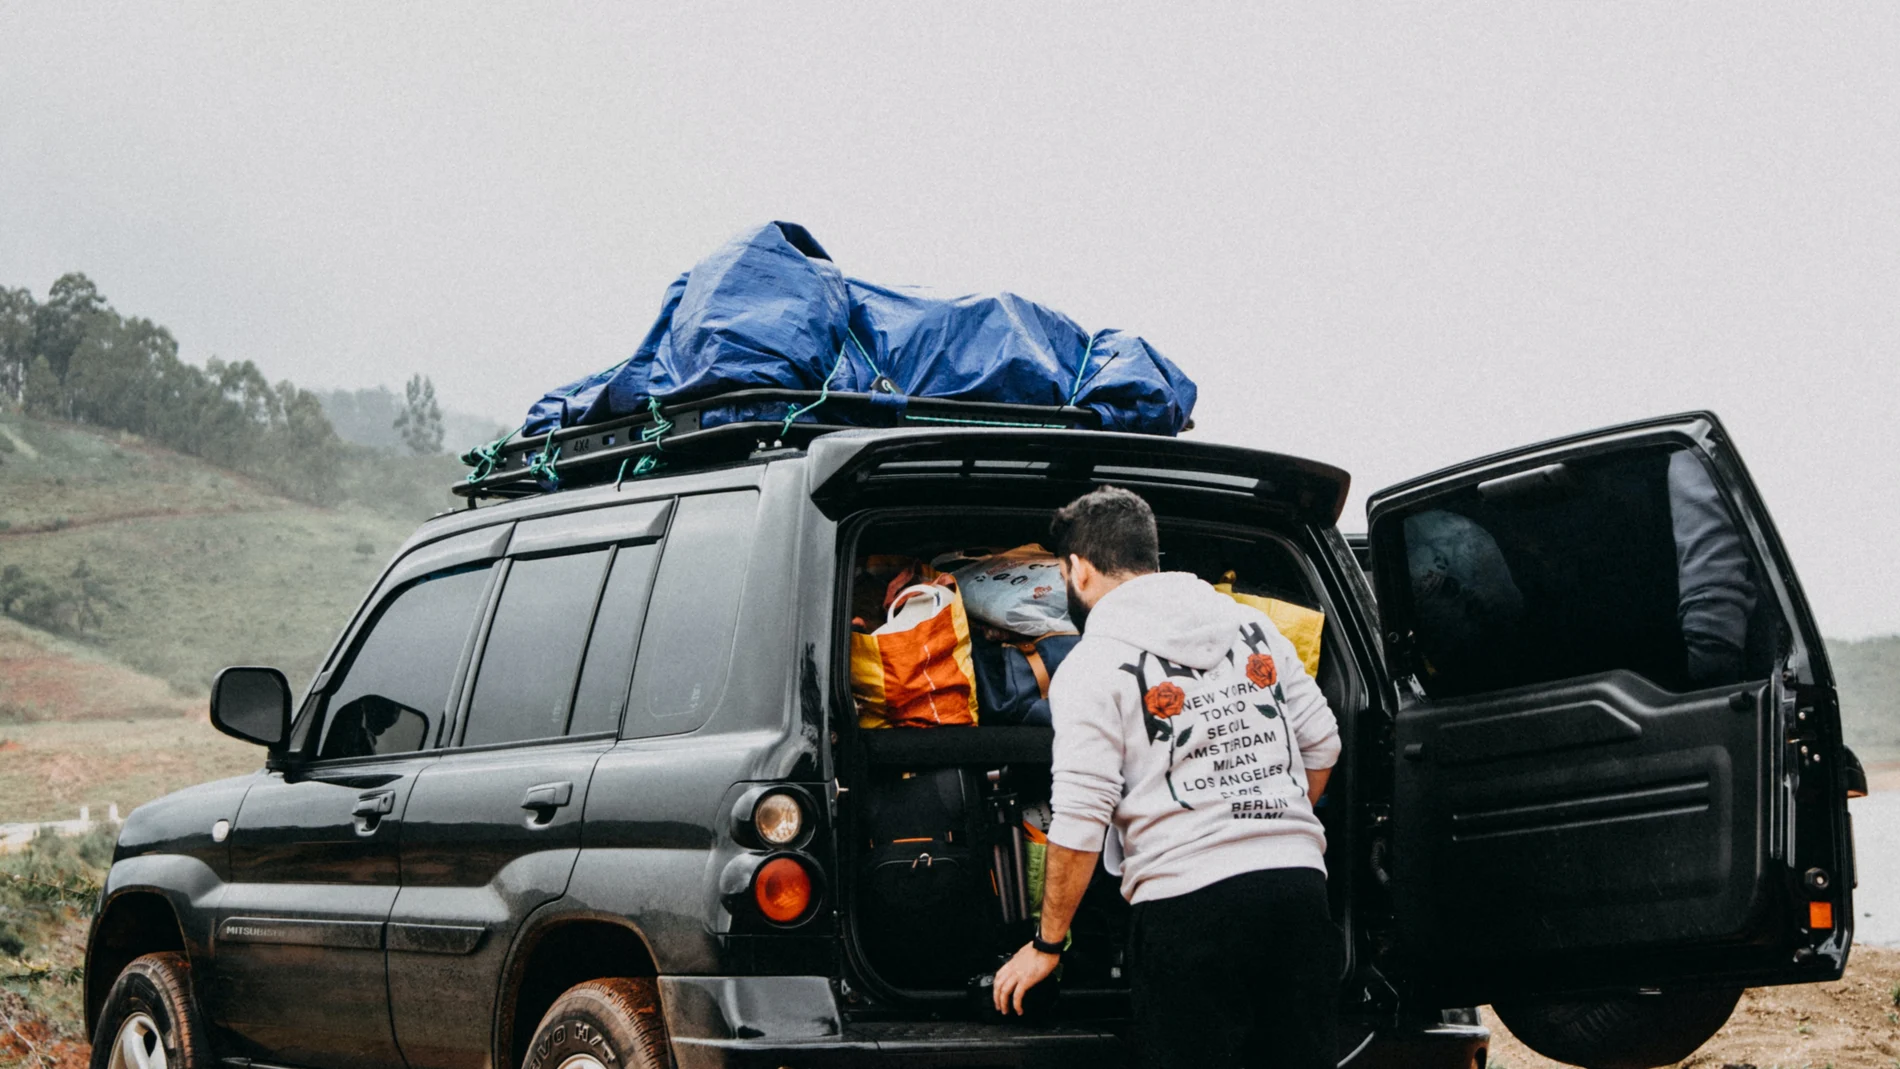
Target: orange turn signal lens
1820,914
782,889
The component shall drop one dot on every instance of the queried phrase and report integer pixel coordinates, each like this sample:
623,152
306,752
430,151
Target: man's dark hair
1110,528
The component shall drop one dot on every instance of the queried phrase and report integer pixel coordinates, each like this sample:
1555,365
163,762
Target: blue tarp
770,309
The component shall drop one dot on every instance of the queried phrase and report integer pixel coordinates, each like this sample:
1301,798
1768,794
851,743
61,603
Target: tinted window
687,649
534,648
602,696
394,694
1628,561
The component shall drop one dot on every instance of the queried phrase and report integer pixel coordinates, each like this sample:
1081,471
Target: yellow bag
1301,625
916,671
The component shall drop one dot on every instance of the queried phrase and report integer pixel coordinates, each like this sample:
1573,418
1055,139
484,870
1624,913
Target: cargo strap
655,434
1082,376
483,458
824,391
1076,390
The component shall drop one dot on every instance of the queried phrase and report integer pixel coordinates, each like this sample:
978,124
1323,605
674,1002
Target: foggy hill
368,417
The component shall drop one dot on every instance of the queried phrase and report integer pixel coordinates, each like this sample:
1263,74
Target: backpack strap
1041,671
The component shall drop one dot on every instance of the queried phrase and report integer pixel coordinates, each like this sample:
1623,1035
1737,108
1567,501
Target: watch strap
1044,947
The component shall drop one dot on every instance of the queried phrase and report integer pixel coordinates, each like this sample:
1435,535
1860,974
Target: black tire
151,1006
1634,1031
618,1022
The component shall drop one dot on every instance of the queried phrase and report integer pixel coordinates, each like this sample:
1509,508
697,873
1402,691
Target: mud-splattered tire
1636,1031
150,1019
602,1024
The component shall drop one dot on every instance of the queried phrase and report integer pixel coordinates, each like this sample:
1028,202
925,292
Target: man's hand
1027,969
1065,878
1316,783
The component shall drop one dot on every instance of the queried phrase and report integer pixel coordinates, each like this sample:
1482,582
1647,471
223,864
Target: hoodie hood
1176,616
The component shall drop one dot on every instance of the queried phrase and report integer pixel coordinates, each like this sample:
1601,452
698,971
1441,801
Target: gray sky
1391,238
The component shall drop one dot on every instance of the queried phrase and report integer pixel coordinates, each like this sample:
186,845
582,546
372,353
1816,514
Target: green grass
57,475
201,568
54,767
192,594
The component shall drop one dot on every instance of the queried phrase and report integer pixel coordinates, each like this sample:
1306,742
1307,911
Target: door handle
370,809
374,804
548,796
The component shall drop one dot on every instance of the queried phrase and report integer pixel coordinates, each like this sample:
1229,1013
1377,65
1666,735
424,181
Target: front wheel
150,1020
1634,1031
602,1024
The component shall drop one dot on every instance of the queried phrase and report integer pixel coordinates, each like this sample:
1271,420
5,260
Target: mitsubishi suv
582,785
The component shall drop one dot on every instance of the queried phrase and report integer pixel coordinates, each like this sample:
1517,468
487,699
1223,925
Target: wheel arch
553,953
132,923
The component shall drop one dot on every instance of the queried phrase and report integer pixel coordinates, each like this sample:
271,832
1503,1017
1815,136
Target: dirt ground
1852,1024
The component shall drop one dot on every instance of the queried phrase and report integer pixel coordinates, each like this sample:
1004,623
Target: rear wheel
150,1020
1634,1031
602,1024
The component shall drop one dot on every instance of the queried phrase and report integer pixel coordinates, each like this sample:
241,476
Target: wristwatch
1041,946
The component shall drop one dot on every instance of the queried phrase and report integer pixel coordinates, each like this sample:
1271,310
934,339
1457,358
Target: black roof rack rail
742,423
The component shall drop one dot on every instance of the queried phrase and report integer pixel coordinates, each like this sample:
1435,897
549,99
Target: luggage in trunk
924,911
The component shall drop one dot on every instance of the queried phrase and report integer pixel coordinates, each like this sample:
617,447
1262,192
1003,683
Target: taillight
782,889
779,819
773,816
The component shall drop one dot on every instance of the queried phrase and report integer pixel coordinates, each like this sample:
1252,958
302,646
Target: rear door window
393,695
687,648
1629,561
530,662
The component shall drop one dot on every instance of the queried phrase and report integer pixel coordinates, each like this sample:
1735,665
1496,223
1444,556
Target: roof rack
741,424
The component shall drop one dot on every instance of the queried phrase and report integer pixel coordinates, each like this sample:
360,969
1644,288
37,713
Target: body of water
1877,859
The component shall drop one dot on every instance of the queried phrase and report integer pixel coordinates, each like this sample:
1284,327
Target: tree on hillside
420,421
16,341
40,393
74,357
61,323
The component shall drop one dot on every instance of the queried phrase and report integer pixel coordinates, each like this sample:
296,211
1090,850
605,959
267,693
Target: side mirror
252,704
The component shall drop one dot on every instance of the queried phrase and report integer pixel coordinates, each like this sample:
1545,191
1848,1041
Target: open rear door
1616,747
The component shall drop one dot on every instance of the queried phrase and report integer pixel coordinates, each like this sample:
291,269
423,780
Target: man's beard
1078,612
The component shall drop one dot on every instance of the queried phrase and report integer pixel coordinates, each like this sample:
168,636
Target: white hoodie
1172,720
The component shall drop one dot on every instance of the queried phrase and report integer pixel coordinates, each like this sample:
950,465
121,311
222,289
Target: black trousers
1244,972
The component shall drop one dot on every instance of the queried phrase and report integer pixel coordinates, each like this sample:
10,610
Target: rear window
686,652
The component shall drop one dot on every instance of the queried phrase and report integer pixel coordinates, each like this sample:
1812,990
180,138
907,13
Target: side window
601,698
533,653
393,695
686,651
1625,561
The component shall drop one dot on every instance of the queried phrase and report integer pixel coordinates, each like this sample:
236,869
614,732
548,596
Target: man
1716,594
1187,722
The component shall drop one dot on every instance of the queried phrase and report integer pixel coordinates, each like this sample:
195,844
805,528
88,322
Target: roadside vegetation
47,895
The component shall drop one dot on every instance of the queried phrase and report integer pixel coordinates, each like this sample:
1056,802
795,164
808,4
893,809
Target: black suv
582,785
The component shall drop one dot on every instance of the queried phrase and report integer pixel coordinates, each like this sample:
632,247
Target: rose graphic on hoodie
1164,700
1261,671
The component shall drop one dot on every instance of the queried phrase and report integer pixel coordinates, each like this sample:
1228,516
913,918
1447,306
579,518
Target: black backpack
924,909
